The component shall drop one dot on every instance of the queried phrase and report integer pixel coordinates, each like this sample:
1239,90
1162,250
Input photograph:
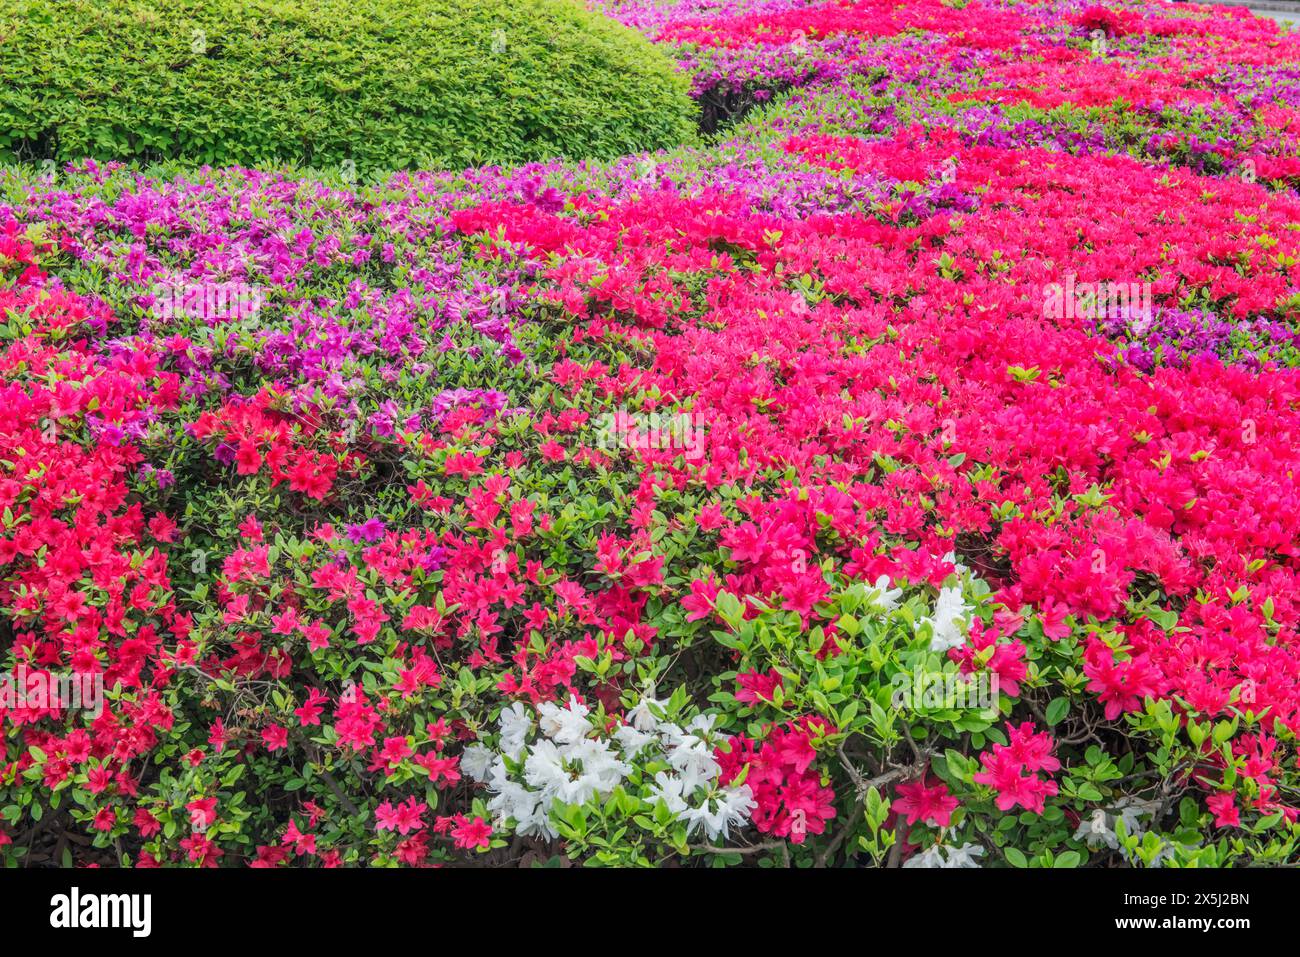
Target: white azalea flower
1096,831
498,775
946,856
693,759
930,857
515,723
670,734
525,806
571,760
641,717
544,768
575,774
1100,828
564,725
669,789
948,630
1131,810
633,741
964,856
882,597
599,763
475,761
536,824
720,811
702,724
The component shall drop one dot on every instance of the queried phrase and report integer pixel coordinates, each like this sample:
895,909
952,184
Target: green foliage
384,84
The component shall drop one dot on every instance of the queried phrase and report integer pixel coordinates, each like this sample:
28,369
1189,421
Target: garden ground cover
807,497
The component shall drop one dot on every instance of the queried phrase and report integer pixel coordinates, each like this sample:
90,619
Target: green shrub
383,83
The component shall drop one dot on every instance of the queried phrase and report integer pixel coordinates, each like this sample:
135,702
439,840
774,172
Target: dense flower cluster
791,801
671,768
1011,770
929,434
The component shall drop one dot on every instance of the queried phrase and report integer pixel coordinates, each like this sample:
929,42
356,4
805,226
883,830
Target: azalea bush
906,477
354,86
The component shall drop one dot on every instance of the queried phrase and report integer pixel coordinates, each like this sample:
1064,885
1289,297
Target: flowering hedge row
809,498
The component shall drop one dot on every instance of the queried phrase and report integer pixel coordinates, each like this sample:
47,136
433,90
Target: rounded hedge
383,83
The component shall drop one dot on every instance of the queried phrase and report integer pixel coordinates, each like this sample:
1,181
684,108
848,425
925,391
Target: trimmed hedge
383,83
